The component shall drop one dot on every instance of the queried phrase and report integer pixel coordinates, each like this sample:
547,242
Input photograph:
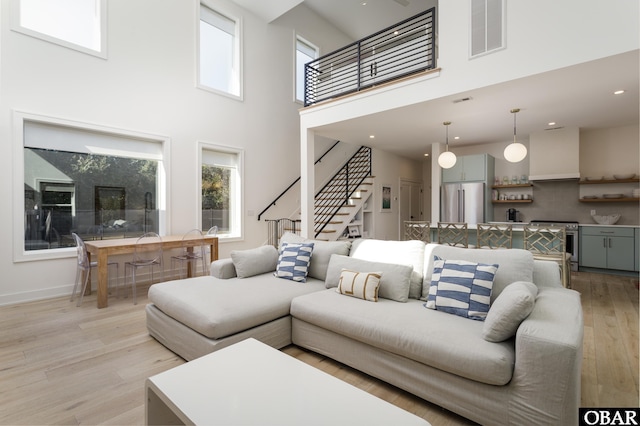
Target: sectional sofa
489,334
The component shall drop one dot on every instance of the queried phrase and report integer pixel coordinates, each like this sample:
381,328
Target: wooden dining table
100,250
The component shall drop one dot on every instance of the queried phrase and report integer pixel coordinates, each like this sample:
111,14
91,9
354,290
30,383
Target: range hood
554,154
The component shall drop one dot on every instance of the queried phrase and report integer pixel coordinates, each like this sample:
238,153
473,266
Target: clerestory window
76,24
219,63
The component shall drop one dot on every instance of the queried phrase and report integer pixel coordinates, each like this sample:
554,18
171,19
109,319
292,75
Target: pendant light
515,151
447,159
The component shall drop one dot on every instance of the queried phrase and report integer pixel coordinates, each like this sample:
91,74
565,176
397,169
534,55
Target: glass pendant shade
447,159
516,151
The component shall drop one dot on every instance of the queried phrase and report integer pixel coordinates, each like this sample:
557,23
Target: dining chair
84,266
146,253
417,230
494,236
212,232
192,250
548,243
454,234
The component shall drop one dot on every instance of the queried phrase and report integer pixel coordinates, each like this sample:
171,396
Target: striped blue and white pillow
293,261
461,288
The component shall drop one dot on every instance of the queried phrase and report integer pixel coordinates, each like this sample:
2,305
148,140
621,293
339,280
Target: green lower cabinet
608,248
636,247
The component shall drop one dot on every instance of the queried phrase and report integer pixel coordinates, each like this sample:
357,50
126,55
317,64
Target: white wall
388,170
604,152
147,84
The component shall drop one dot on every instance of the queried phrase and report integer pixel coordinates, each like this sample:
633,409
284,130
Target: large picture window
219,52
76,24
97,184
221,183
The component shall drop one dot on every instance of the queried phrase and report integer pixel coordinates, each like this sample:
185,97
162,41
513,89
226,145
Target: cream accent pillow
363,285
514,304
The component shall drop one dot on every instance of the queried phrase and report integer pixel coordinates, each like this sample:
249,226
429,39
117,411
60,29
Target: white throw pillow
363,285
514,304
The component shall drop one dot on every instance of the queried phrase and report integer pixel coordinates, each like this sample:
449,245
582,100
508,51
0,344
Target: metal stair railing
408,47
340,189
273,203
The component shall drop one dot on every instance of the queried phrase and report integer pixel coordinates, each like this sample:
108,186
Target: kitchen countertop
617,226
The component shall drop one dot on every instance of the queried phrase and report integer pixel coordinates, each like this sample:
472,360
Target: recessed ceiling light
372,136
426,155
364,3
456,137
618,92
552,123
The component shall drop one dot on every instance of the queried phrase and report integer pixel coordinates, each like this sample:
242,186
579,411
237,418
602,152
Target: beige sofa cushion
395,279
447,342
254,261
219,308
322,251
514,264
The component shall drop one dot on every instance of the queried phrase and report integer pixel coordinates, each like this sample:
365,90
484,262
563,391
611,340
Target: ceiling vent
457,101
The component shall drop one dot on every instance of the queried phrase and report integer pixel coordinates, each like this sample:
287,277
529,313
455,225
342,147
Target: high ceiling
578,96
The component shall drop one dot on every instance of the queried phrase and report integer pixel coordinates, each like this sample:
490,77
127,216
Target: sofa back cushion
394,282
514,264
322,251
400,252
254,261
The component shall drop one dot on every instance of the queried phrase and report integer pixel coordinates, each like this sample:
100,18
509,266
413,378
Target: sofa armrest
223,269
546,377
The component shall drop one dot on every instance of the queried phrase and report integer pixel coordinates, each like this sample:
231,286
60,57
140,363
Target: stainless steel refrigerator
463,202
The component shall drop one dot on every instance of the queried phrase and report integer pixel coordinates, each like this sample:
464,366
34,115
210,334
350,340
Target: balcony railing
398,51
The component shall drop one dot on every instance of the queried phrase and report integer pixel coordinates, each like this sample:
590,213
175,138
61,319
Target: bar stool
548,243
84,266
454,234
494,236
417,230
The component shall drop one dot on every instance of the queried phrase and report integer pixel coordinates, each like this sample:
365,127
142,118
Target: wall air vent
457,101
555,128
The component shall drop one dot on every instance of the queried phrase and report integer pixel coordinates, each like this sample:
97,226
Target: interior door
410,201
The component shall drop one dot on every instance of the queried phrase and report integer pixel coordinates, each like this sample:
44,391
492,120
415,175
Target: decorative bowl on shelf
591,179
612,196
624,176
611,219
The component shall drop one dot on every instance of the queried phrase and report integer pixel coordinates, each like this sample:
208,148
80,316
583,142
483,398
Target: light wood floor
65,365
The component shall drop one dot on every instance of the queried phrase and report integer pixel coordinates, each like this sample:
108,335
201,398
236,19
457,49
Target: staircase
346,215
338,202
336,205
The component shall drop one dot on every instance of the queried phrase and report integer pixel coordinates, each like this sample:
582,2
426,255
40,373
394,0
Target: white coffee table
251,383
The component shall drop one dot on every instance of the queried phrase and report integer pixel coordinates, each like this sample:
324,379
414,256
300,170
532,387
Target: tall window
221,183
77,24
96,184
305,52
487,26
219,52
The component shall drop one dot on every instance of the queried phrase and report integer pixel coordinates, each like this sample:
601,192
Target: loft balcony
401,50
